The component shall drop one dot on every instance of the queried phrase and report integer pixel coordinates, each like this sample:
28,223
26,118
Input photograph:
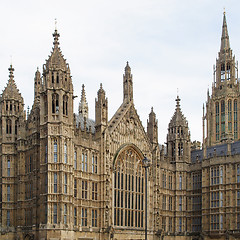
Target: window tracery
128,189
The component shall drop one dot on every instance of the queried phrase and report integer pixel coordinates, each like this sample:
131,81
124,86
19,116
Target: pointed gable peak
225,44
178,117
56,59
11,90
127,68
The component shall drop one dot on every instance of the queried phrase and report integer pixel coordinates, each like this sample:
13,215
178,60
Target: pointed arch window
16,127
228,71
9,126
222,72
8,167
128,189
65,153
229,116
75,159
52,77
57,78
235,119
222,118
217,121
180,149
55,151
55,103
65,105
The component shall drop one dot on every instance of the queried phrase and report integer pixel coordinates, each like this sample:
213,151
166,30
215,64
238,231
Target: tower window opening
217,121
222,118
222,72
235,119
228,71
65,105
55,103
16,127
57,78
52,77
229,116
55,151
9,126
65,153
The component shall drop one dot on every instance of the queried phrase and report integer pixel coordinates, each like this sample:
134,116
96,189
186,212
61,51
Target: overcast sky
170,45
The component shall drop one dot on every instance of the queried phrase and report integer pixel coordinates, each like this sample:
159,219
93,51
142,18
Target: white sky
169,45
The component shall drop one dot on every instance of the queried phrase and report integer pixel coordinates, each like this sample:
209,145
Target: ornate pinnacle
11,76
56,35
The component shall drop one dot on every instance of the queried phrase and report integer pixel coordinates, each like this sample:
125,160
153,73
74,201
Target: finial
151,109
224,11
11,69
55,24
56,35
178,101
100,85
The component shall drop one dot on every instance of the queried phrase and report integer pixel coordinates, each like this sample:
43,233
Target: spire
37,83
225,44
83,105
127,84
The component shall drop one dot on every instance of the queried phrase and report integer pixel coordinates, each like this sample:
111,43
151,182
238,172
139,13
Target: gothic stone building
65,176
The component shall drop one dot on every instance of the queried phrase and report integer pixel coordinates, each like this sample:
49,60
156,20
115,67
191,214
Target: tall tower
56,133
222,107
127,85
11,113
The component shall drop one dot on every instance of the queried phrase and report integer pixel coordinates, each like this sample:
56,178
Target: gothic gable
126,127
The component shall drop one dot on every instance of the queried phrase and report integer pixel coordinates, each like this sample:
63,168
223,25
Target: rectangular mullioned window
84,217
94,164
94,218
214,199
238,173
55,213
214,175
215,221
75,216
55,183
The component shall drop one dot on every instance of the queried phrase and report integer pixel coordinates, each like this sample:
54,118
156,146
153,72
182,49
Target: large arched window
128,189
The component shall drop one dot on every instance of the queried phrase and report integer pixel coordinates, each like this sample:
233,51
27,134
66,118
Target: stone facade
65,176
